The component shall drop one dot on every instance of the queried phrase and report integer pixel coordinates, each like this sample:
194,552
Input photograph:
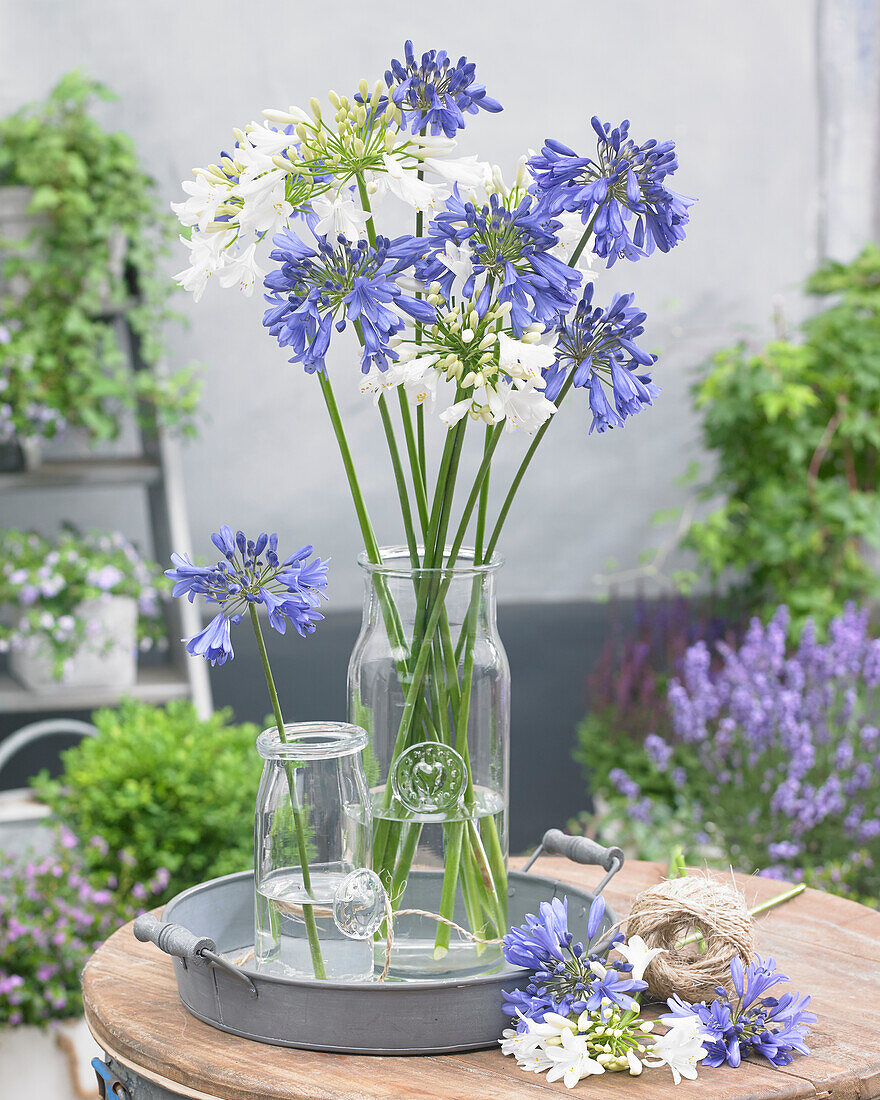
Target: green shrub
164,789
795,436
91,204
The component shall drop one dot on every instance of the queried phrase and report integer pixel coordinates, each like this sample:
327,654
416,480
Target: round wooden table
828,946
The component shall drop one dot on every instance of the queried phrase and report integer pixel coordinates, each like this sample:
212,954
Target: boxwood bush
163,789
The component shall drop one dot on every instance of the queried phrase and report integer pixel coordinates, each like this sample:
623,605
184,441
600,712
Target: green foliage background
56,287
795,432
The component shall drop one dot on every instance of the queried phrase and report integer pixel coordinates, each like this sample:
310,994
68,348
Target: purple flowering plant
249,574
52,917
753,1022
779,746
44,582
566,977
485,314
579,1013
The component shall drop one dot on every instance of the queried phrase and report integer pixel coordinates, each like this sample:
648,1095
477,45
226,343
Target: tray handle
174,939
579,849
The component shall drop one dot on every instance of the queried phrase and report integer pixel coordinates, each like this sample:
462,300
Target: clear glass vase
312,829
429,681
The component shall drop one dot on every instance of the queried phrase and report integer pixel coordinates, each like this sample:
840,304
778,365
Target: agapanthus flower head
566,977
622,192
250,573
317,289
498,378
598,347
508,247
434,94
775,1027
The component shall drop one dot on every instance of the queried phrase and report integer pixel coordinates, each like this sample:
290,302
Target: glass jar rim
312,741
396,563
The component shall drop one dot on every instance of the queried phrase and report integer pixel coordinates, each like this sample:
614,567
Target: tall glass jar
312,829
429,680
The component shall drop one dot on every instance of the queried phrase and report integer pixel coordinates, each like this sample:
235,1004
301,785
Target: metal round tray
214,920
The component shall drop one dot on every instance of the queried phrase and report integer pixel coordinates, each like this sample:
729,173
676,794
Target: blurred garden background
689,603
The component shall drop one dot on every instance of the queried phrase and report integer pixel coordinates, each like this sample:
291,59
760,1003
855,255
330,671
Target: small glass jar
313,828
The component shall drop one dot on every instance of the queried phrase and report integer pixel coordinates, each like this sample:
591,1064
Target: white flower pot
54,1061
22,824
107,656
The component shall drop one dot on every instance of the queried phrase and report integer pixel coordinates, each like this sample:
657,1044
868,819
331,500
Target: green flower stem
520,473
308,909
454,835
497,865
420,429
407,852
524,465
582,243
415,460
400,479
694,937
365,203
414,693
367,533
773,902
470,893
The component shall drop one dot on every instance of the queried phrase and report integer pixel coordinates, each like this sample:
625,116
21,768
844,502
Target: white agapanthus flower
571,1060
403,181
338,213
242,270
269,141
459,260
638,954
569,237
526,358
205,195
206,259
681,1048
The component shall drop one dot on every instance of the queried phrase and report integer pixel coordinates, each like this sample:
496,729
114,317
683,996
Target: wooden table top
829,947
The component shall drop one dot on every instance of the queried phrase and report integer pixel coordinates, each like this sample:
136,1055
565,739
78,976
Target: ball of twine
672,911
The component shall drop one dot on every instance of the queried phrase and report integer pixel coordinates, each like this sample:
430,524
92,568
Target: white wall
737,87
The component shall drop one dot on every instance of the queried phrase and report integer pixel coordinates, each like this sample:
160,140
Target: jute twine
673,911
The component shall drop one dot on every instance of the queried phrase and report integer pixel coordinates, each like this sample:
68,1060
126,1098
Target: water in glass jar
282,944
414,957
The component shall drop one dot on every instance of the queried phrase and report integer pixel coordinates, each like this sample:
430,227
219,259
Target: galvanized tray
208,923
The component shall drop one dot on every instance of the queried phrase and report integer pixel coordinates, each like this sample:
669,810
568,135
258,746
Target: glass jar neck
307,741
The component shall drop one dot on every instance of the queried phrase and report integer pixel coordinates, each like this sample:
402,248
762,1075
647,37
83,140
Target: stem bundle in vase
486,313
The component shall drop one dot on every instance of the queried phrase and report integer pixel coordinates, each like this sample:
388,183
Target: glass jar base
282,945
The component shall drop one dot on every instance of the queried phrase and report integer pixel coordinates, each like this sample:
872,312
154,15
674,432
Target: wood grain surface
829,947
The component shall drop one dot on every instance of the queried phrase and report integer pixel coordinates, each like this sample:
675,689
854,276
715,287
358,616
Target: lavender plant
783,750
487,311
52,917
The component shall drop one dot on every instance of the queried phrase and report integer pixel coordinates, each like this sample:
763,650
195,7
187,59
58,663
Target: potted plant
165,789
76,608
52,916
81,232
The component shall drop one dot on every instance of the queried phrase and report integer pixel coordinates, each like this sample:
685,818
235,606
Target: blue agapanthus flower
566,977
434,94
598,346
623,182
509,248
756,1024
318,289
250,573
